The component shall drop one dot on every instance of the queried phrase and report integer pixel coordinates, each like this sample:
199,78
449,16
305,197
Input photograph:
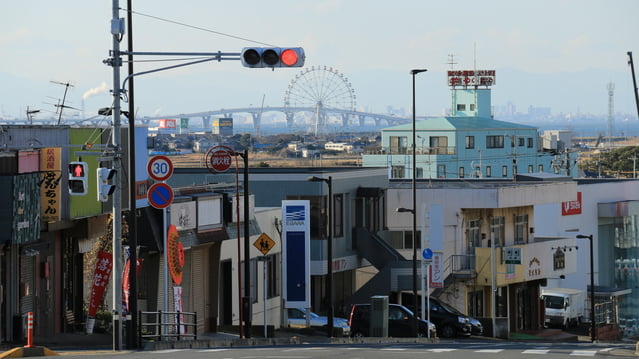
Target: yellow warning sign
264,243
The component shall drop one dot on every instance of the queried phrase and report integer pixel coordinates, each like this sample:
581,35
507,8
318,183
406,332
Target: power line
197,27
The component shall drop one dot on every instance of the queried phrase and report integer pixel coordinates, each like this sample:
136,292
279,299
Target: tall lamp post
592,287
414,72
329,249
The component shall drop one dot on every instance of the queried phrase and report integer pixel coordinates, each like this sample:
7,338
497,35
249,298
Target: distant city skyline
563,62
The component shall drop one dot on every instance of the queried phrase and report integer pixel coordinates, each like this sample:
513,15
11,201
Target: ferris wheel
323,89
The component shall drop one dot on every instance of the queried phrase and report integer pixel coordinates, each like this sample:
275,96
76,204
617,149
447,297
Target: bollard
29,330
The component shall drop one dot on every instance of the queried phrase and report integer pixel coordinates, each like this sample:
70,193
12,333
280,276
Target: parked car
400,321
297,319
476,328
449,321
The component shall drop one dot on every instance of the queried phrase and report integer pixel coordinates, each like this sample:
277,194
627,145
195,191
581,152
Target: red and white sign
471,78
103,266
571,207
160,168
220,160
168,123
437,271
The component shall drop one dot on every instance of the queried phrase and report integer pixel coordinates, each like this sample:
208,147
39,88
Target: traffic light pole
266,57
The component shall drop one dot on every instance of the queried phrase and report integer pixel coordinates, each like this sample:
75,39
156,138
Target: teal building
468,144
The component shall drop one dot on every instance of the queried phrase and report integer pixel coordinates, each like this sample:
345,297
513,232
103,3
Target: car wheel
448,331
358,334
421,334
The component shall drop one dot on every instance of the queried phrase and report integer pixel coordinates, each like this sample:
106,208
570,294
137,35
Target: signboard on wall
296,254
571,207
471,78
50,197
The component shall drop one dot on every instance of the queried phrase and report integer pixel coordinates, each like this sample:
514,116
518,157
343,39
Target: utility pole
117,30
132,316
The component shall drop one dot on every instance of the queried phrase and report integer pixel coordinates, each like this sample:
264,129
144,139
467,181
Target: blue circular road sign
160,195
427,253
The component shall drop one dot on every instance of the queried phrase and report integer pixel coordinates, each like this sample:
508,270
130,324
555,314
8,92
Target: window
272,270
472,107
504,171
540,168
441,171
530,142
408,239
404,239
398,144
530,168
470,142
522,141
521,229
489,171
420,172
497,231
495,141
474,235
398,172
438,144
338,215
461,172
461,107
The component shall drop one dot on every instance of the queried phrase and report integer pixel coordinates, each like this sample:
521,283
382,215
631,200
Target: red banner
125,282
103,267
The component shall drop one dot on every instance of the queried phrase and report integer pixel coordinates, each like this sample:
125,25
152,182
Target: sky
560,54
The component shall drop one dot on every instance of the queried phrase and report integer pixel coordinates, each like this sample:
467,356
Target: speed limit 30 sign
160,168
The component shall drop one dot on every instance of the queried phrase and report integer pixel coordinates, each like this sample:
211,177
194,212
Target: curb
22,352
222,343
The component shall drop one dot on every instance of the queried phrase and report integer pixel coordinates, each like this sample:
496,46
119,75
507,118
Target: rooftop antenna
61,106
451,61
30,114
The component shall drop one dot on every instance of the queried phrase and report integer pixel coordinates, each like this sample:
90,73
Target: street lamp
592,288
329,249
414,211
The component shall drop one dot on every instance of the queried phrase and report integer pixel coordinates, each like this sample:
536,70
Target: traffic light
272,57
78,178
105,188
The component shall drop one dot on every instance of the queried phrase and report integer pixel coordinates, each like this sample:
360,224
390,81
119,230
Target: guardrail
167,326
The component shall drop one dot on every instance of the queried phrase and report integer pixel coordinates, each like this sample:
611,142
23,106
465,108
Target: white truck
564,306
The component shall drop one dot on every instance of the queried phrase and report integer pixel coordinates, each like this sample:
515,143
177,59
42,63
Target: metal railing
442,150
167,326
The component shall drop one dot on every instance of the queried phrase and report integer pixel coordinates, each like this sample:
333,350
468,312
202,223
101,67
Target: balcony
463,266
444,150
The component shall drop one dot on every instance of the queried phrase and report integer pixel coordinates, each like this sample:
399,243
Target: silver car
297,319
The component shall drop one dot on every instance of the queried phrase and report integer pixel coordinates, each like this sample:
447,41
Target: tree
619,162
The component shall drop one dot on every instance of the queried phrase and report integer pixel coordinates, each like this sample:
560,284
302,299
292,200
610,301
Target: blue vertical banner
296,254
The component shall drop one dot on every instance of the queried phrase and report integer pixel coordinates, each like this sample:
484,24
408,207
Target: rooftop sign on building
471,78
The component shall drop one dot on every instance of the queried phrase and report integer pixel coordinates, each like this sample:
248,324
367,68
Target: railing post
140,322
195,326
179,329
160,325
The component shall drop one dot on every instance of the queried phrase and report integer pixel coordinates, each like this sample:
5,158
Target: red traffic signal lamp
78,177
258,57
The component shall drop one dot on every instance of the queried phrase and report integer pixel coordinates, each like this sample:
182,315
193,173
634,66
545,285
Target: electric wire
196,27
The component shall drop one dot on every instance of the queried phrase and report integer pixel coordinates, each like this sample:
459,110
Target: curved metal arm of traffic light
216,58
